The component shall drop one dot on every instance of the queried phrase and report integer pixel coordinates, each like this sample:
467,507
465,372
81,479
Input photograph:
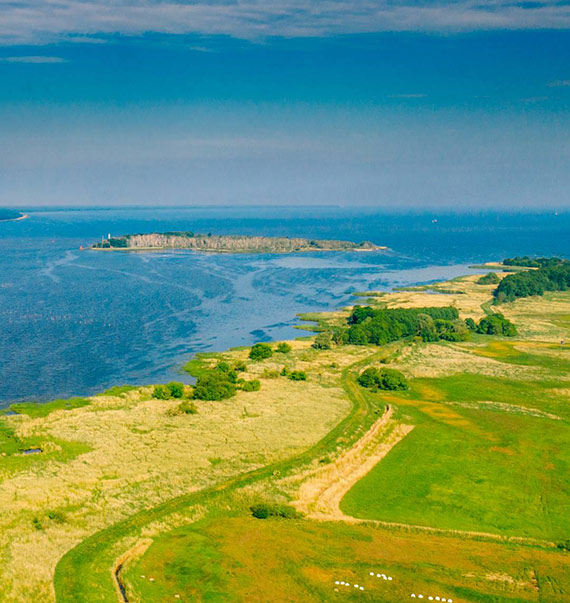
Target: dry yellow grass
140,456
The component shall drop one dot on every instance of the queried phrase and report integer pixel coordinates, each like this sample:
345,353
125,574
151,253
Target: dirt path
320,495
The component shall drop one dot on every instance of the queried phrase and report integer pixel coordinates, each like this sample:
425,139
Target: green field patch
119,390
244,559
543,395
472,469
19,454
505,351
43,409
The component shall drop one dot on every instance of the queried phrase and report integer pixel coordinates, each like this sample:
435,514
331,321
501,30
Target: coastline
231,251
20,217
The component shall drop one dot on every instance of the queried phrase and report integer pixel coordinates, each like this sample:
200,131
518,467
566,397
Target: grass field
244,559
482,457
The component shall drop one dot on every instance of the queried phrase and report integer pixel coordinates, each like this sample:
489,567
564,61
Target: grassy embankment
487,453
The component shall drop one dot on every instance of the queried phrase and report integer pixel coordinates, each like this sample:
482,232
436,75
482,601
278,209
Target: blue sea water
75,322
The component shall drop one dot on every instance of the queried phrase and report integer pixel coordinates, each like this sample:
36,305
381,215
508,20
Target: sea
74,322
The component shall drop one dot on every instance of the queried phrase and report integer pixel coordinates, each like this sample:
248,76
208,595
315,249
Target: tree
214,385
283,348
260,351
176,389
470,324
426,328
496,324
382,379
323,341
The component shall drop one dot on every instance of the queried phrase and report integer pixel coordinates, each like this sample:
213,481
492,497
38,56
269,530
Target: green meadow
486,455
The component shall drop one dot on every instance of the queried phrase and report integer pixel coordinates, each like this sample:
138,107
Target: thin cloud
38,21
36,60
559,84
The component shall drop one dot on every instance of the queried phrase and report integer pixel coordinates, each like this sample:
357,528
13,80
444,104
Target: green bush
489,279
496,324
470,324
240,366
187,407
265,510
452,330
323,341
159,392
382,379
251,386
260,351
168,391
297,376
214,385
283,348
176,389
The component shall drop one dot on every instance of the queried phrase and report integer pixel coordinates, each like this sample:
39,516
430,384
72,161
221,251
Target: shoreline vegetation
450,406
227,243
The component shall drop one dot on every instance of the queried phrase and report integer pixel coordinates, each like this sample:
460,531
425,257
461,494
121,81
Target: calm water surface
75,322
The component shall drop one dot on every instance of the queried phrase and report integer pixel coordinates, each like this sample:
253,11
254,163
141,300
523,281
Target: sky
455,104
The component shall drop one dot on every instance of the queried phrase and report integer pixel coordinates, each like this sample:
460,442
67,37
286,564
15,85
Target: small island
9,215
227,243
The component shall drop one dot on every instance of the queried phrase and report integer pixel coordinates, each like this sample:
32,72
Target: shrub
339,335
260,351
323,341
385,379
426,328
496,324
285,372
176,389
166,392
489,279
240,366
159,392
283,348
452,330
187,407
470,324
223,366
214,385
298,376
251,386
265,510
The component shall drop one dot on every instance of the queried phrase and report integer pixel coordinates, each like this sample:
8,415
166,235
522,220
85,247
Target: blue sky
394,104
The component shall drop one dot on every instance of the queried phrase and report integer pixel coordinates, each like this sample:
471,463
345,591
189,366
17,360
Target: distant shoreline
20,217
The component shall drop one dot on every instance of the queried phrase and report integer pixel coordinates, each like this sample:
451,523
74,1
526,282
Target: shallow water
75,322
